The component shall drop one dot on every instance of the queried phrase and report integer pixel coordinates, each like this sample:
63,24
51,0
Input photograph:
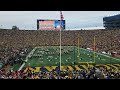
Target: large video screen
50,24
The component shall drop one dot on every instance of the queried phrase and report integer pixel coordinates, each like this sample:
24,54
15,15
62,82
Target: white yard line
29,55
103,55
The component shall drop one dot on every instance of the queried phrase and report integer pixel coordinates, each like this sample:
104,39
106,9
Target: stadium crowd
11,56
105,39
91,73
15,45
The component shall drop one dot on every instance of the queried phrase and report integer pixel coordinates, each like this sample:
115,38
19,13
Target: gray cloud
74,19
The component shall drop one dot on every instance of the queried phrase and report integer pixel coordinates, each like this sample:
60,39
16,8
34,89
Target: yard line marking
103,55
29,55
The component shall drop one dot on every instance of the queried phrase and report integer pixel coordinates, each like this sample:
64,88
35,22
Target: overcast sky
74,19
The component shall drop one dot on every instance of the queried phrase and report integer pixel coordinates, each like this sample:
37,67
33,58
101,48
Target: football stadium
51,52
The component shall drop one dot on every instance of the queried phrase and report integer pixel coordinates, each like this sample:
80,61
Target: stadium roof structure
112,18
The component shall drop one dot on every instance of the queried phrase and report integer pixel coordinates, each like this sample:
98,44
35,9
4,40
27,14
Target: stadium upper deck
112,22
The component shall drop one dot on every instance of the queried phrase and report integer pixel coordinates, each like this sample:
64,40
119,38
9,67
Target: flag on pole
61,15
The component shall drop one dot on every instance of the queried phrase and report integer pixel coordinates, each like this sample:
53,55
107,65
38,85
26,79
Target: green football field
70,55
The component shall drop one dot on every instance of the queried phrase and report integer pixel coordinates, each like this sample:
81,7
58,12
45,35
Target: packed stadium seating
105,39
91,73
16,43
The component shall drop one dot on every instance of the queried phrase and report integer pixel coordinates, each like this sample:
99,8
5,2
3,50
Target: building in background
112,22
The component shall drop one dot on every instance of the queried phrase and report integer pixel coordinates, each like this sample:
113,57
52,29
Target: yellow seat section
97,65
48,68
37,69
107,66
54,67
85,67
77,68
91,65
117,65
31,69
63,68
70,68
113,66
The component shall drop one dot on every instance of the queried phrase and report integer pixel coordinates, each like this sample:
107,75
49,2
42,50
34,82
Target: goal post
78,50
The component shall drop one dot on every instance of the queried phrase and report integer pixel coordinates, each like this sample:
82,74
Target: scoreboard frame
63,21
